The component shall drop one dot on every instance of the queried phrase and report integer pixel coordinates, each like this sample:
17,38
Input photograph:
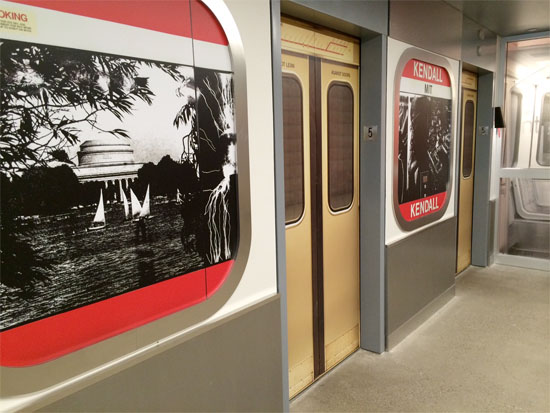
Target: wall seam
279,189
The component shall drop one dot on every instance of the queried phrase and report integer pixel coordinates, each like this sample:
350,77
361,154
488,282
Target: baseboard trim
419,318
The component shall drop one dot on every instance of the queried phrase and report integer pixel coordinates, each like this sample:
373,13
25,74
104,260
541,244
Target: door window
293,148
340,146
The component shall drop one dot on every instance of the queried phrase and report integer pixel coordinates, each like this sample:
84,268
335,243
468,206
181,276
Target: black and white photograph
424,146
116,173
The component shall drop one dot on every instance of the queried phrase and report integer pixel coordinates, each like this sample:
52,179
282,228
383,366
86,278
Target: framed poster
118,168
422,138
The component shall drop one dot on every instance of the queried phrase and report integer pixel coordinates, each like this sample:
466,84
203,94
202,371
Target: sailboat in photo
99,218
146,208
125,201
126,206
136,206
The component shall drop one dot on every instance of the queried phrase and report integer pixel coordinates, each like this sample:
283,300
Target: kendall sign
423,140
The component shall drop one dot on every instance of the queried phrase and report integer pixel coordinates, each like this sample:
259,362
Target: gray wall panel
476,51
481,228
372,166
235,366
431,25
419,269
370,15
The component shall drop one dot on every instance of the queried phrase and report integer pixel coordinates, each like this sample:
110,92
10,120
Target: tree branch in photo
48,92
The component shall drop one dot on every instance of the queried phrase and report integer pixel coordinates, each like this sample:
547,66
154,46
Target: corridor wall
241,314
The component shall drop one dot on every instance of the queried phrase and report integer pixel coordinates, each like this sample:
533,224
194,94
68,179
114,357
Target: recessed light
534,29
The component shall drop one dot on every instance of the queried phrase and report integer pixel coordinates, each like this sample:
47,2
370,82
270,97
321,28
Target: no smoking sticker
15,21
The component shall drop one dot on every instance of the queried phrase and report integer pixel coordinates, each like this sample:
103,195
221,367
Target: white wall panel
260,277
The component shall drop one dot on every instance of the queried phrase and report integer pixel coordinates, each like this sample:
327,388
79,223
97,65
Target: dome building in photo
106,160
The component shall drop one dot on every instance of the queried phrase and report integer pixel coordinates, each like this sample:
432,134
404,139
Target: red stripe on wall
55,336
205,26
426,72
216,275
165,16
414,210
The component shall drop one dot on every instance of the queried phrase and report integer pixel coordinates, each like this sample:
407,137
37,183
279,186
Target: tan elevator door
466,181
321,148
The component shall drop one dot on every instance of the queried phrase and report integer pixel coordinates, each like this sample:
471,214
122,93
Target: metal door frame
372,149
458,168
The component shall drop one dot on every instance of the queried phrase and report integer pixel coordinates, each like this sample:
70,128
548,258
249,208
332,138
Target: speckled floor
487,350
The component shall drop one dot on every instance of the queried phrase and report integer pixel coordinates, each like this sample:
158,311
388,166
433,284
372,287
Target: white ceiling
529,61
507,17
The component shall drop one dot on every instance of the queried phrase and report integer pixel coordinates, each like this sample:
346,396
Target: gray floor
488,349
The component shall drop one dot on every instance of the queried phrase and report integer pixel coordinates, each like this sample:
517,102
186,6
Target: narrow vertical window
467,144
543,149
293,148
516,105
340,146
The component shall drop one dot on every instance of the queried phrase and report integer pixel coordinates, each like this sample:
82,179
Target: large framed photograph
119,188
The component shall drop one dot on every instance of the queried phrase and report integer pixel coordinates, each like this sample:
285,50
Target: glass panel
340,146
513,129
293,148
543,150
527,108
467,145
525,217
524,201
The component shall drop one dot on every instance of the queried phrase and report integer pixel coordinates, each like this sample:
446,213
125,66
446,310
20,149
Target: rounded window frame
76,368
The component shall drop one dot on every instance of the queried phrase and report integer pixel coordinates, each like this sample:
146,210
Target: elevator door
467,159
321,148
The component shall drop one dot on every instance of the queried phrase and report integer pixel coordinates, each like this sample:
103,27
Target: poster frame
62,375
434,59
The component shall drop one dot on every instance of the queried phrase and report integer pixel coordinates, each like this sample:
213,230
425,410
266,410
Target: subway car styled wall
123,231
209,204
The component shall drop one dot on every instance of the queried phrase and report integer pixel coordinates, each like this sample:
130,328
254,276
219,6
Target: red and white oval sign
423,141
